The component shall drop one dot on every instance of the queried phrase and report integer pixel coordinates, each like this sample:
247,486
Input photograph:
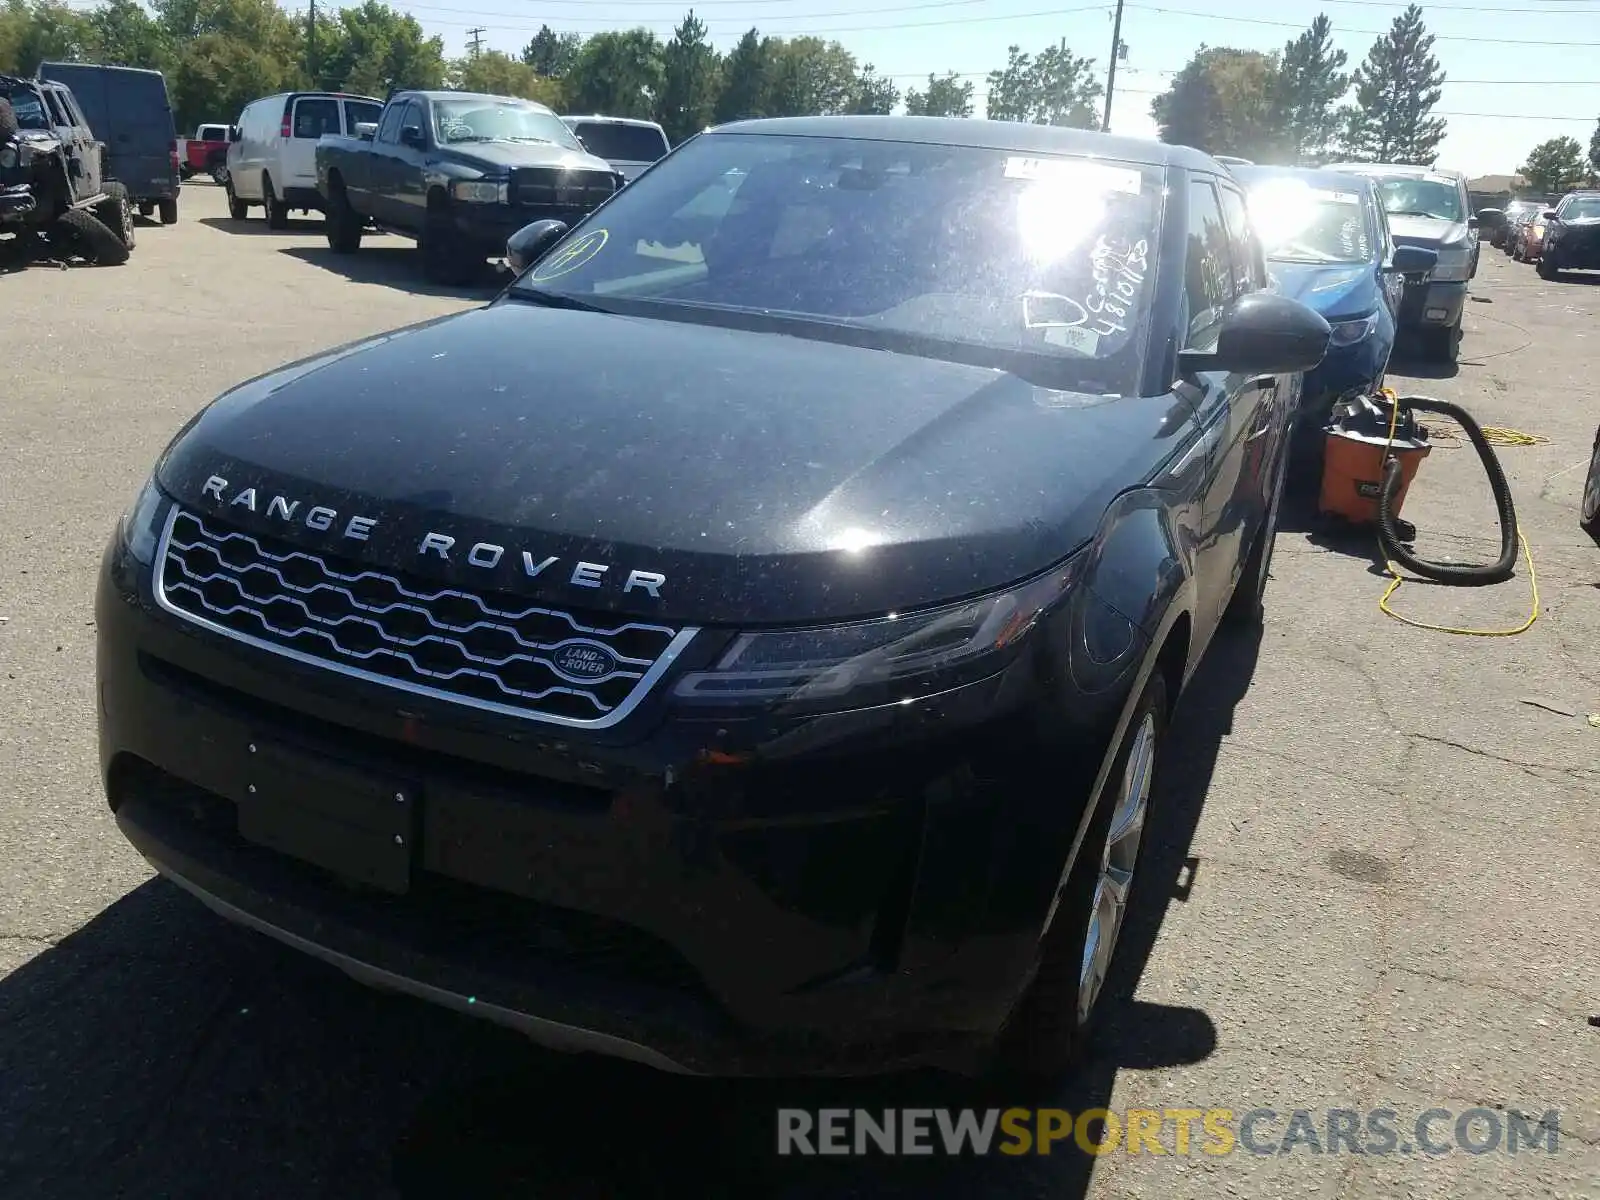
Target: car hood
503,156
771,478
1332,290
1426,231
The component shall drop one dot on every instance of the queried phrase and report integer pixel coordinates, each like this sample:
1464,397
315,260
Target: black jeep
54,198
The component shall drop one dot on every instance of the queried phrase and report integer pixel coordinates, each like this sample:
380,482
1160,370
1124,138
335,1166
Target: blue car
1328,245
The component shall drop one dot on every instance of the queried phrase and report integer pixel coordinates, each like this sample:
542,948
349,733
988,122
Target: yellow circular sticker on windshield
571,257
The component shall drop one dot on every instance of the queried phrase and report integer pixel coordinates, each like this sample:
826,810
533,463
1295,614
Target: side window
358,112
415,118
1249,265
389,128
58,115
315,116
1207,277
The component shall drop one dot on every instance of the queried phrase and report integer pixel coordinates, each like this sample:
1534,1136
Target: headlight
141,524
1348,333
893,659
479,191
1455,263
8,157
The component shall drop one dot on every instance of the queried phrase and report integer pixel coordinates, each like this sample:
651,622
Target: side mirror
366,130
411,136
1472,222
1263,334
1412,260
235,134
1548,214
529,242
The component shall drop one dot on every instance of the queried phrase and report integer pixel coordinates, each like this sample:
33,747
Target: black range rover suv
744,645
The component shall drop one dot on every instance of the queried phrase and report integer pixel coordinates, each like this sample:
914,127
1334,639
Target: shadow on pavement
395,262
255,225
158,1050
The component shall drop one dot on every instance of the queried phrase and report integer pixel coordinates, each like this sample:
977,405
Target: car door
1391,286
411,159
84,163
313,116
1229,406
386,164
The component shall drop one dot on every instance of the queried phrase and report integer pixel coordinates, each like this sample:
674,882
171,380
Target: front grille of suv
485,650
553,187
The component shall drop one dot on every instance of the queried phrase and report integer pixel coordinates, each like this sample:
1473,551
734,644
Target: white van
628,144
272,158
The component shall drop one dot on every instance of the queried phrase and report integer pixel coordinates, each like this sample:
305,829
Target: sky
1518,71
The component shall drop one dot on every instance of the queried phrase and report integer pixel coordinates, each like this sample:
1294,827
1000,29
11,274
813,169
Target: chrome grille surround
444,643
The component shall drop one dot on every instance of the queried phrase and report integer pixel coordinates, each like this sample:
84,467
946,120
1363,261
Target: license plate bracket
357,825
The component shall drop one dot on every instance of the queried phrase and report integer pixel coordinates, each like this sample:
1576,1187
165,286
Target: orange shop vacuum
1373,448
1357,449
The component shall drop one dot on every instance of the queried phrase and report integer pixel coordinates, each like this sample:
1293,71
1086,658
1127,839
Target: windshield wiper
547,299
1411,212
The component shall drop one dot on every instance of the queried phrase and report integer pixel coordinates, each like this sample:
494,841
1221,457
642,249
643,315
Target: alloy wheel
1117,861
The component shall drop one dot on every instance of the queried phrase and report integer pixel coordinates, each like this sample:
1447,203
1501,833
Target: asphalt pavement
1375,885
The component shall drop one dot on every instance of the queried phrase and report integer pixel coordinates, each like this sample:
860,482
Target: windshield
1303,224
25,102
621,143
919,246
1421,196
492,119
1581,208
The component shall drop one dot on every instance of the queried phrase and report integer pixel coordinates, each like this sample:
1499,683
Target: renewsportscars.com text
1163,1131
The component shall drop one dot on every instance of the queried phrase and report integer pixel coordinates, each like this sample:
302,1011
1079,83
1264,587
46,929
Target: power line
475,39
1442,37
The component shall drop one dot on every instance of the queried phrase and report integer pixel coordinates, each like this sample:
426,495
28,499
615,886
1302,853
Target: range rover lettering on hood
484,555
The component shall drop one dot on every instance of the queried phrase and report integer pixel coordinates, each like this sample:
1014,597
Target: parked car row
1556,234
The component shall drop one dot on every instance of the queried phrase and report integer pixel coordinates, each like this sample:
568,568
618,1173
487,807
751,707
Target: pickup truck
206,153
459,172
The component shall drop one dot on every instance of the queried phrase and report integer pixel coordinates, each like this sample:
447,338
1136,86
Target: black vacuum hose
1466,576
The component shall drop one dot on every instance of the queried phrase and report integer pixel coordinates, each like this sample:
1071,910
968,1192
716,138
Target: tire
1589,513
8,120
1444,345
443,259
146,208
238,210
1547,269
1052,1022
342,224
92,239
277,210
169,211
1247,607
116,213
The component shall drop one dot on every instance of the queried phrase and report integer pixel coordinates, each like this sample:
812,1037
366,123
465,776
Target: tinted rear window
315,116
359,112
623,143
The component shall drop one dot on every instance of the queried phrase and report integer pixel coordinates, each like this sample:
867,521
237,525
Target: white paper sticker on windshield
1338,197
1445,179
1076,171
1072,337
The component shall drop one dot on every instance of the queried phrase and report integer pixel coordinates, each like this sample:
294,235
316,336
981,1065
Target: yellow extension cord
1496,435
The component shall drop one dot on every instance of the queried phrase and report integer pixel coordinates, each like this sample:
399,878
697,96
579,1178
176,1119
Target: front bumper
1577,252
863,894
489,226
1432,304
1343,369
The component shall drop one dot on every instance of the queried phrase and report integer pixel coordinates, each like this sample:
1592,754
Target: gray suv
1429,207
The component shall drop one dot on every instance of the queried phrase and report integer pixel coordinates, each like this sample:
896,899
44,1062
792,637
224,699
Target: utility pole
475,39
311,45
1111,72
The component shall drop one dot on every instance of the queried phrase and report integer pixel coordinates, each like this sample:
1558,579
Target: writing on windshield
1422,196
493,121
944,244
1304,224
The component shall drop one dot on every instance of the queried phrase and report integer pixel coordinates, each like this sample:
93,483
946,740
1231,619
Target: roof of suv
1013,136
1359,168
639,122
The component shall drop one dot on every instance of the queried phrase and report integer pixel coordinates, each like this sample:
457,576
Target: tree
807,75
1056,88
1556,165
874,93
1397,86
947,97
127,36
689,80
552,54
1594,147
618,72
498,74
43,32
1224,101
373,48
1311,82
744,80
